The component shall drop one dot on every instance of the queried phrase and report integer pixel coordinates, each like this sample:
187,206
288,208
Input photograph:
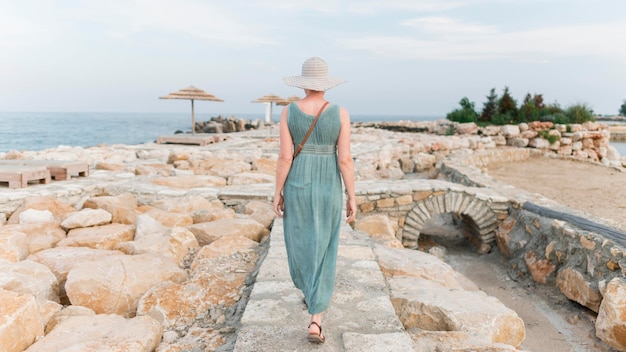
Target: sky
399,57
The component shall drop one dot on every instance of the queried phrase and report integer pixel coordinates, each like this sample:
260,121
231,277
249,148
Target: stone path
360,317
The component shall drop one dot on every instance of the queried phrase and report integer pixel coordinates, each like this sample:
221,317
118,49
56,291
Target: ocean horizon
35,131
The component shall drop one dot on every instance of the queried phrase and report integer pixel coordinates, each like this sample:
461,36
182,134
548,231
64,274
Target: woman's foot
315,333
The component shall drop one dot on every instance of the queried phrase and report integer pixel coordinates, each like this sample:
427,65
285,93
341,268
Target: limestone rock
189,181
213,215
215,285
168,219
427,305
114,284
395,262
105,332
510,131
467,128
540,269
225,247
57,208
225,168
263,212
122,207
40,236
32,216
188,204
61,260
21,321
574,286
611,321
456,341
65,313
248,178
265,165
87,217
29,277
210,339
154,170
152,237
381,228
208,232
99,237
13,245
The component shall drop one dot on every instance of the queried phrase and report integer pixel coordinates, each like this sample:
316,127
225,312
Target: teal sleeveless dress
313,204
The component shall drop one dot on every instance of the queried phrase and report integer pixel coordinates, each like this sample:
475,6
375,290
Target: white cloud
447,26
543,44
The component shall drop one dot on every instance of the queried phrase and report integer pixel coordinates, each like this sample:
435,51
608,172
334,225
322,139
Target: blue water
38,131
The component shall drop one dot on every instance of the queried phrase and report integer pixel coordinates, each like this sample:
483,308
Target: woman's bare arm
285,158
346,164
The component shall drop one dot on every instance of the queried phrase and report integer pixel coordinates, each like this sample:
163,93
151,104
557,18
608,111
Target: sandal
316,338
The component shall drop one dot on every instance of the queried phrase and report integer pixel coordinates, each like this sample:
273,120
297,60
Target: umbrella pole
193,121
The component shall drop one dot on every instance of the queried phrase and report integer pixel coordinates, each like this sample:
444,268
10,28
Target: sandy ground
553,323
595,189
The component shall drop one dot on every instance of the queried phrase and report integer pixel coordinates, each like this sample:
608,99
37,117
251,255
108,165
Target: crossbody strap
299,148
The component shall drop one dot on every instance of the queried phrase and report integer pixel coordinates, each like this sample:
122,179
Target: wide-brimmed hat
314,76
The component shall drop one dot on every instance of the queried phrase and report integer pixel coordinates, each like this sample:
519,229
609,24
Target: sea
35,131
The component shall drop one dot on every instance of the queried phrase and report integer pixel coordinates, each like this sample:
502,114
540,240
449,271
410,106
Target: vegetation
504,110
622,109
465,114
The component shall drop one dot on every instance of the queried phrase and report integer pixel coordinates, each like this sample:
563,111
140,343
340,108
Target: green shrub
502,119
465,114
579,113
545,134
622,109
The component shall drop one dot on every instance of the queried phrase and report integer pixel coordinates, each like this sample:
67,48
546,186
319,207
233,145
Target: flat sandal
316,338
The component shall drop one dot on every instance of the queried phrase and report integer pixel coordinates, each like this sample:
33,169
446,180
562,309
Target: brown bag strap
299,148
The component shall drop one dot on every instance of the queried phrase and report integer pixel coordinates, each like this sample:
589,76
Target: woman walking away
308,192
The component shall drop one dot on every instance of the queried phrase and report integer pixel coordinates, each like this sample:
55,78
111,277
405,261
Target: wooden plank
18,176
201,139
59,169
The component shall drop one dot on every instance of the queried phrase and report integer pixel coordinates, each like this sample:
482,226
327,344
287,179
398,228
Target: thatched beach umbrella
191,93
271,99
288,101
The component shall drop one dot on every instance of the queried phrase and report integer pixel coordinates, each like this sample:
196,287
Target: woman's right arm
285,158
346,164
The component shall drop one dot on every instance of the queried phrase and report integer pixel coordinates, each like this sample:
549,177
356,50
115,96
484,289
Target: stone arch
480,214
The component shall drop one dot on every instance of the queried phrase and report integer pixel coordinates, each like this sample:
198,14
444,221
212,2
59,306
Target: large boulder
611,321
40,236
152,237
87,217
428,305
99,237
122,207
43,203
380,228
208,232
114,284
21,321
13,244
105,332
29,277
574,286
61,260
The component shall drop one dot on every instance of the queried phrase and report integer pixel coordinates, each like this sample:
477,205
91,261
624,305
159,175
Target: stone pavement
360,317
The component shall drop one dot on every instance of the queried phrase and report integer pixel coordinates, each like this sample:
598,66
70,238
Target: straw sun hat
314,76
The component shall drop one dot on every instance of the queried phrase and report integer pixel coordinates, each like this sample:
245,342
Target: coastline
155,173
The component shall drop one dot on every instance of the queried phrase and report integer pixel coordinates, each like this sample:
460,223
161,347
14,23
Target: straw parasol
191,93
289,100
271,99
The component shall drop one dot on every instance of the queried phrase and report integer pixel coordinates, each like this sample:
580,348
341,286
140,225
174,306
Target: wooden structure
18,176
201,139
18,173
191,93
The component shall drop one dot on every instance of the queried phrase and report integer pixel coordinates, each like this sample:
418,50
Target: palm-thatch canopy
289,100
191,93
269,98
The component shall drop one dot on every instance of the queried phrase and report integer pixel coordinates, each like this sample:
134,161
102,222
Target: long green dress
313,204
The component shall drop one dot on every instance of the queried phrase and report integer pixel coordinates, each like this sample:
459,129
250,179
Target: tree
529,111
507,104
490,107
465,114
507,109
622,109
